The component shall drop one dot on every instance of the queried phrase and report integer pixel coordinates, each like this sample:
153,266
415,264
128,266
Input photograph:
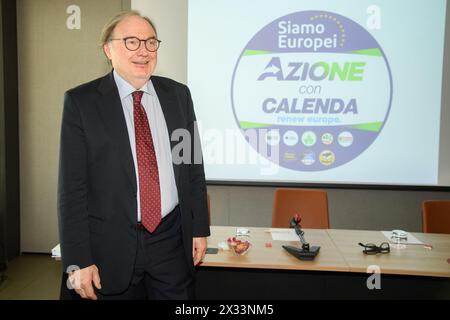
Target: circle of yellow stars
339,24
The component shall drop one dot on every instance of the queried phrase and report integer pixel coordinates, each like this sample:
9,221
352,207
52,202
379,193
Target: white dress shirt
161,142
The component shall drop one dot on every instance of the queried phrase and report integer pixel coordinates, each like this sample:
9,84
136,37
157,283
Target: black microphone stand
306,252
300,233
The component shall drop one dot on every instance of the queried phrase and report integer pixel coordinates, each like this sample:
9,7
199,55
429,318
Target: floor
31,277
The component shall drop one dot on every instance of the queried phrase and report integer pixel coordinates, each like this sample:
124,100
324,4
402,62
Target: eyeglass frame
140,40
372,249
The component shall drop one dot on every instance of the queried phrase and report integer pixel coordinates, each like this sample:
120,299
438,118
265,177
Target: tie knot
137,95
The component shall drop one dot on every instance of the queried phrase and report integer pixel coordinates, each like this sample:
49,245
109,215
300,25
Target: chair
311,205
436,216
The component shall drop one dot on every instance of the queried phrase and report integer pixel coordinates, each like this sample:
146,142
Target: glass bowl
239,244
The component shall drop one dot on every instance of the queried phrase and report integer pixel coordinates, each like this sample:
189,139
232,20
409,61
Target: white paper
284,235
411,239
56,251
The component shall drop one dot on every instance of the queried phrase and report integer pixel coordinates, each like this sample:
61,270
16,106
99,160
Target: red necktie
149,192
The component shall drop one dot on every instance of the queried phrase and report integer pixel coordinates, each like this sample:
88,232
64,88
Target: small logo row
308,138
308,157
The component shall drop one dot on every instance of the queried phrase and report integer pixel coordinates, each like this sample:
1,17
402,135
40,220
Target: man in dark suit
132,214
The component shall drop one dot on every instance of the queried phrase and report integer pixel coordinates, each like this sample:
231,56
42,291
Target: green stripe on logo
371,126
251,125
255,52
369,52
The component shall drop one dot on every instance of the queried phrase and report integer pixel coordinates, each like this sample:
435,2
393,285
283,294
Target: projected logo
314,84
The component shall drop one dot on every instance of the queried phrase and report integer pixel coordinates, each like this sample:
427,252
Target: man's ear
107,50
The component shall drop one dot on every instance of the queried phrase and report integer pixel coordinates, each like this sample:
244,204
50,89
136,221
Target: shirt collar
126,89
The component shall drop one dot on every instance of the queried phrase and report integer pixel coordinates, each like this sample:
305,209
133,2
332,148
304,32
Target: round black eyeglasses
134,43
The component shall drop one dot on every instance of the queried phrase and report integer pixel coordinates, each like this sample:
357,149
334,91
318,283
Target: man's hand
82,279
198,249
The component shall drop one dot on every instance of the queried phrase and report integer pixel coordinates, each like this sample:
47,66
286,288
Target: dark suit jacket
97,193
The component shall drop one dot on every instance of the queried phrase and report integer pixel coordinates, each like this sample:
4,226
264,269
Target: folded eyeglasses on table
371,248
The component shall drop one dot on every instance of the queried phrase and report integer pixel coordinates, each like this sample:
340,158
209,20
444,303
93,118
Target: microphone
306,252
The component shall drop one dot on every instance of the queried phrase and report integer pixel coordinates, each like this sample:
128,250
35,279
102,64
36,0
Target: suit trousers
161,269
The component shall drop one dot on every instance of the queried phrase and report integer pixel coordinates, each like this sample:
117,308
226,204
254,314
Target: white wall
170,19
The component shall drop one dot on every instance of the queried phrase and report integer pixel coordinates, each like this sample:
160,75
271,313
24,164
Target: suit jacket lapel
110,108
170,111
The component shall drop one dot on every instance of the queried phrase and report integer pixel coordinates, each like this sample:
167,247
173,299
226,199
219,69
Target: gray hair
111,25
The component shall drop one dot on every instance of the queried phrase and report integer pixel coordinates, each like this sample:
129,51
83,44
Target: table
411,260
338,272
260,257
